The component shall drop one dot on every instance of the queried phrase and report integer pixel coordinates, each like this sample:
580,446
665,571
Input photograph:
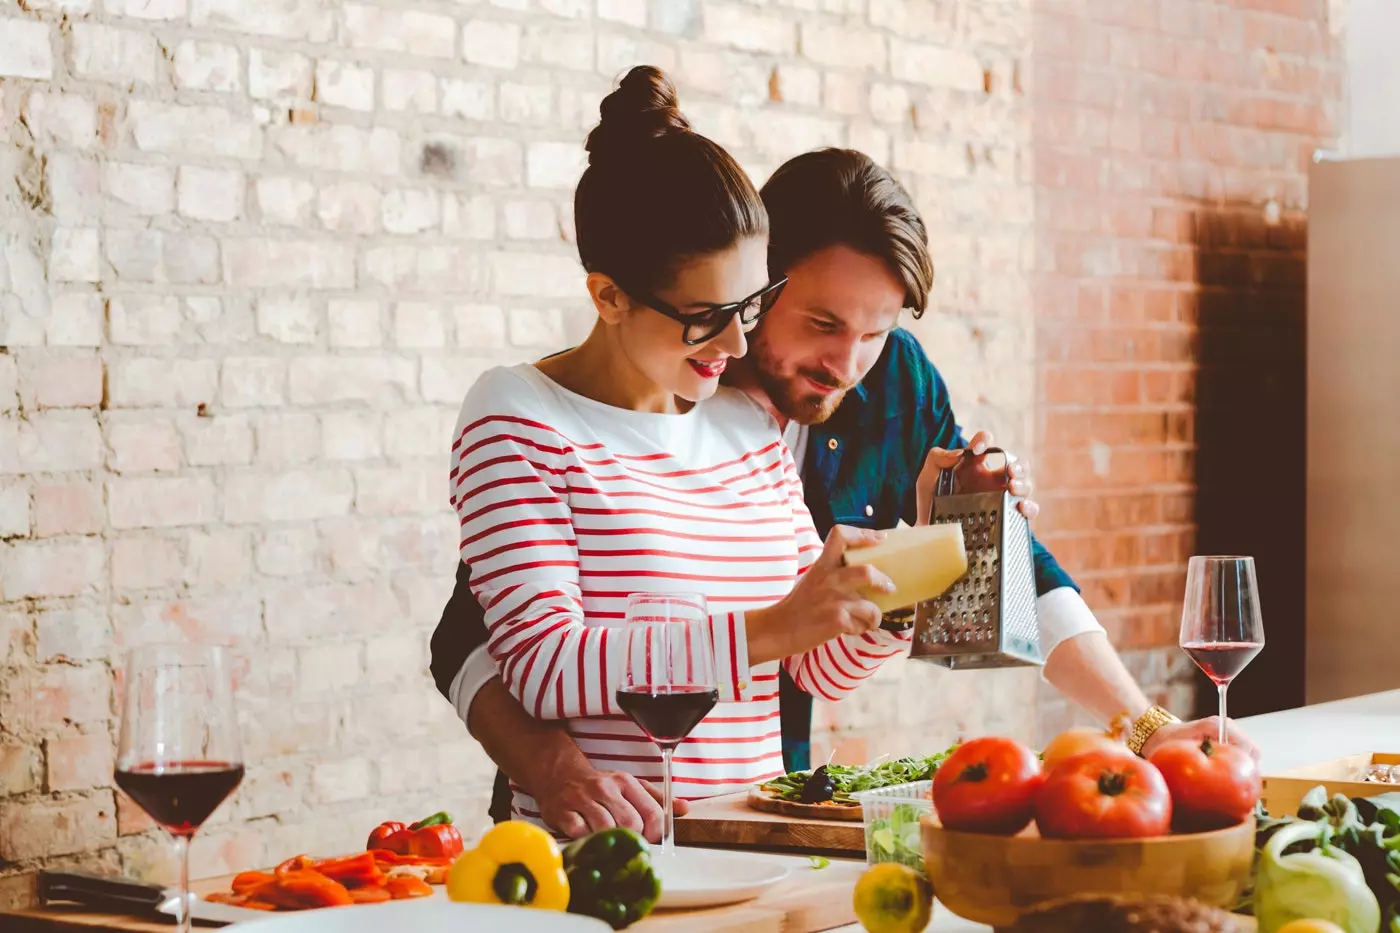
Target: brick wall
252,254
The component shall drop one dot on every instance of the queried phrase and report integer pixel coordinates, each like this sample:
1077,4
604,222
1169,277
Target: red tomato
1212,785
1077,741
987,786
1103,795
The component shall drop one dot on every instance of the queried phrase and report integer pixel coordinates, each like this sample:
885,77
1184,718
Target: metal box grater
987,619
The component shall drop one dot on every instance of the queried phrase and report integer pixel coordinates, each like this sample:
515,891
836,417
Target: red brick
67,509
52,697
80,762
47,828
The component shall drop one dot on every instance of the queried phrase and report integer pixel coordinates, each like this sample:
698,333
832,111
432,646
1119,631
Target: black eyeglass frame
763,300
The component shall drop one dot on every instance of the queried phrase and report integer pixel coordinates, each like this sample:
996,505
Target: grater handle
945,475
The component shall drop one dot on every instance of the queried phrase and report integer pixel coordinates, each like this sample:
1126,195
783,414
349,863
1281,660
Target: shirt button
869,511
833,444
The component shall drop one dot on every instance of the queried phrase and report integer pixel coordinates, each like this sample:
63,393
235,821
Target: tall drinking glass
1221,627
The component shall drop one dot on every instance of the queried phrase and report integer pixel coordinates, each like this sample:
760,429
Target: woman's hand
828,601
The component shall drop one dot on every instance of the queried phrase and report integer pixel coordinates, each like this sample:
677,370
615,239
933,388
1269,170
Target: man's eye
824,327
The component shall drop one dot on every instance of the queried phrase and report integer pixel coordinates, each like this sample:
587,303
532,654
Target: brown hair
655,192
840,196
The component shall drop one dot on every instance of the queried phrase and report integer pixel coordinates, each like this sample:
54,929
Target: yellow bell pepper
515,863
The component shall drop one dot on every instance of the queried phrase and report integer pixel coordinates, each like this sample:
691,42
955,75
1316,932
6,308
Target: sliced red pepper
386,857
248,880
304,888
295,863
402,887
441,840
353,872
382,833
374,894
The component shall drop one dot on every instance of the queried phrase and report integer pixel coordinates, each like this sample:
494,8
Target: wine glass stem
668,827
1222,688
182,852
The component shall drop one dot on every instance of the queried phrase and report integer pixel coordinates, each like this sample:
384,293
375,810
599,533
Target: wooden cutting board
809,901
730,821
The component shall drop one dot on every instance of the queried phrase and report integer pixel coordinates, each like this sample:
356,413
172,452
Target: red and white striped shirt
568,505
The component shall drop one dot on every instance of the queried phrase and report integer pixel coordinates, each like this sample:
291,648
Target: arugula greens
852,779
896,838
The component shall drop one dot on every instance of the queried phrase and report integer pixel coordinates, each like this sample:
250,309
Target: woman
621,466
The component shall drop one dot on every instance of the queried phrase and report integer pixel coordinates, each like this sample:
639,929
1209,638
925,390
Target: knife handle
92,889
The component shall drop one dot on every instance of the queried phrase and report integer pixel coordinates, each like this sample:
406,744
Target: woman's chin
697,390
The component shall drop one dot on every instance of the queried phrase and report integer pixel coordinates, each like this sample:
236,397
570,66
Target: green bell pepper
611,877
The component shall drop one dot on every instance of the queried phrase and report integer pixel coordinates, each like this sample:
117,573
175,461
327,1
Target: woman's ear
610,300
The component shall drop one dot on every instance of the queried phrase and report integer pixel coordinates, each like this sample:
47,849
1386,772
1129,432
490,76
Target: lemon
893,898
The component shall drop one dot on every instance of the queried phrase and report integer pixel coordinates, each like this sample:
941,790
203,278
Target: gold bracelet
1146,725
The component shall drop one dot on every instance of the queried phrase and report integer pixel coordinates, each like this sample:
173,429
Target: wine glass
179,755
668,683
1221,627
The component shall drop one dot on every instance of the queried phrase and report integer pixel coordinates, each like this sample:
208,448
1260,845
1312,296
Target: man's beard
801,405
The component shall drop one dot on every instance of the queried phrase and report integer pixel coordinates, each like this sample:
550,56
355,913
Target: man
869,423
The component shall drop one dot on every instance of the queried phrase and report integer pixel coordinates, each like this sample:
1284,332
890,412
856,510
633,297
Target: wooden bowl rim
1031,835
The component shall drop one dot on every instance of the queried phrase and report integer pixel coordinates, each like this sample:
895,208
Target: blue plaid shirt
867,456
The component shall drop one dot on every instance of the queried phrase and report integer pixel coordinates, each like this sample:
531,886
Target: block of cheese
922,561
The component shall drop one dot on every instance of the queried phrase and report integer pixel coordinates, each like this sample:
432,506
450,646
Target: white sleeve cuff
1063,614
478,669
729,636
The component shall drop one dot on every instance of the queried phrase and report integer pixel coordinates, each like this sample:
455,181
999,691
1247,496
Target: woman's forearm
1086,669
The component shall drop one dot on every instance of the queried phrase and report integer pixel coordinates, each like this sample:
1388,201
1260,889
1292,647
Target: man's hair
832,197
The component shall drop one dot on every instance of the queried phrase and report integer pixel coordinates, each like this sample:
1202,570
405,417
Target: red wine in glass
180,795
667,713
1222,660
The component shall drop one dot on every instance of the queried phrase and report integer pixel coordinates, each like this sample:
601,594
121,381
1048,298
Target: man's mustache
825,379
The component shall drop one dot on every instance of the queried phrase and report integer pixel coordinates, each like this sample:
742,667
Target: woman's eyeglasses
711,322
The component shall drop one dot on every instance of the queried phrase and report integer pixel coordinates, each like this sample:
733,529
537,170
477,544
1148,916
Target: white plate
706,878
429,915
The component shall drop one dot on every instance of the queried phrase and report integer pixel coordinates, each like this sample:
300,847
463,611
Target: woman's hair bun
643,107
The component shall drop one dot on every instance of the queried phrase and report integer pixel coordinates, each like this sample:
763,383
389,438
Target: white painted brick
156,383
471,100
164,502
192,260
75,255
287,495
208,66
66,567
211,193
220,440
148,9
350,207
355,323
144,562
352,435
329,667
798,84
426,268
555,165
340,148
14,512
279,75
66,381
254,262
287,439
221,321
470,216
545,275
628,12
67,508
404,490
287,320
492,43
935,66
418,324
569,9
871,140
193,130
889,102
531,220
26,49
286,552
380,382
492,162
223,557
136,254
142,444
9,384
144,320
410,210
253,382
844,93
76,320
419,34
842,46
50,442
414,91
744,28
414,433
145,189
313,20
67,119
342,84
561,46
75,185
284,200
618,53
70,8
335,781
447,379
527,103
531,327
118,56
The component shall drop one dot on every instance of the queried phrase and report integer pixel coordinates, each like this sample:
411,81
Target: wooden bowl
993,879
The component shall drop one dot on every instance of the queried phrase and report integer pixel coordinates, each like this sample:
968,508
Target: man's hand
589,800
1208,728
974,475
